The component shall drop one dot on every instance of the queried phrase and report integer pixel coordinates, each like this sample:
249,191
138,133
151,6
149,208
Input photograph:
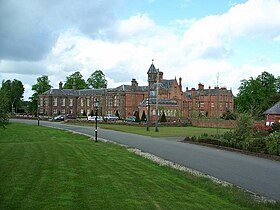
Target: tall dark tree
97,80
136,114
13,91
256,95
143,117
163,117
76,81
42,85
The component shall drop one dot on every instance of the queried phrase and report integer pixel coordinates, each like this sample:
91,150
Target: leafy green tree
42,85
256,95
75,79
244,128
4,108
13,92
97,80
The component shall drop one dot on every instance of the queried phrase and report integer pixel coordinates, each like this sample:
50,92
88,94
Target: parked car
92,118
70,116
111,117
59,118
130,119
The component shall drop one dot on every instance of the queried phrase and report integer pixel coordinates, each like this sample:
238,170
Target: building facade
272,115
160,94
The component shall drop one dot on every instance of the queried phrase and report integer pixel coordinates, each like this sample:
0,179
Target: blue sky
163,11
192,39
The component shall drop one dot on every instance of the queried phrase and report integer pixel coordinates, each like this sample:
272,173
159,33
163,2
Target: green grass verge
163,131
44,168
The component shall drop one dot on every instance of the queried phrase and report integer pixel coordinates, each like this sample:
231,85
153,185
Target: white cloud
126,50
255,18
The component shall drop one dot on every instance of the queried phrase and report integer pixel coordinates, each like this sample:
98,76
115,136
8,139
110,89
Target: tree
75,79
256,95
13,91
136,114
244,127
229,115
4,108
97,80
117,114
163,117
42,85
143,117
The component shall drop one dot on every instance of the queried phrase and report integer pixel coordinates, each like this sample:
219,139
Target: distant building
272,115
125,100
210,102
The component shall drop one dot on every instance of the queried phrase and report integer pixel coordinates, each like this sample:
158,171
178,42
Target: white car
92,118
111,117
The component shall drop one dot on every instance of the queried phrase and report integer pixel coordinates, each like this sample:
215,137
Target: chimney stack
200,86
160,76
134,83
180,83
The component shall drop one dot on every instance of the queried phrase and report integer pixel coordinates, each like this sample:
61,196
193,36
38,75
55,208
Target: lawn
163,131
44,168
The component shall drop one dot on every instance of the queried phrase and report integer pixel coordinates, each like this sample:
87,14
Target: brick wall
213,123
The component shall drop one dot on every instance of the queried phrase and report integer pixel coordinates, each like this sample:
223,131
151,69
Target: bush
3,119
255,145
260,130
229,116
273,143
244,128
275,127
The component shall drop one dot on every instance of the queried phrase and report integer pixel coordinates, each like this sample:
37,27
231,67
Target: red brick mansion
125,100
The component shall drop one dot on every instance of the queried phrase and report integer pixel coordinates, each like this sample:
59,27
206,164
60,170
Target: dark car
70,116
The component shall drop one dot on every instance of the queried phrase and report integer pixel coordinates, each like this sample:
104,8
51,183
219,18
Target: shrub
244,128
229,116
272,143
260,130
275,127
3,119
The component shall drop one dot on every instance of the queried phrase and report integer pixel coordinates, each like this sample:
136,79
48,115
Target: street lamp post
38,112
156,128
96,106
148,115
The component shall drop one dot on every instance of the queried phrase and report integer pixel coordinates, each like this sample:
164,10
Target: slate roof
213,92
129,88
90,92
161,102
72,92
152,69
165,84
60,92
274,109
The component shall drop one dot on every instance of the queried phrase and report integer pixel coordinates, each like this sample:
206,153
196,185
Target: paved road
258,175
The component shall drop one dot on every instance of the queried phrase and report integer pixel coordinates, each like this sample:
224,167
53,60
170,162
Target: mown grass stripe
44,168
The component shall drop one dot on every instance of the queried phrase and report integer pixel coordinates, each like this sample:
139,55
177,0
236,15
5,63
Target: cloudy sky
193,39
